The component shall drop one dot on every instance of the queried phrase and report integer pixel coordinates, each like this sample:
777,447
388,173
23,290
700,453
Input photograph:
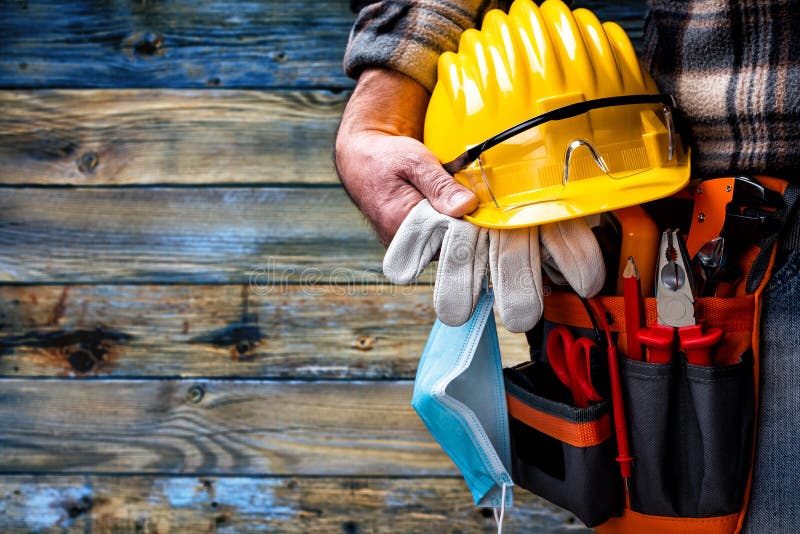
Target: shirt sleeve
734,70
409,35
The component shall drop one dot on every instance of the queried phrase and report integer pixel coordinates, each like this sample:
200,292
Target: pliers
676,329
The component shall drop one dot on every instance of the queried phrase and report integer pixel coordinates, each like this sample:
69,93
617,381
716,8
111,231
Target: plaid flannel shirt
733,67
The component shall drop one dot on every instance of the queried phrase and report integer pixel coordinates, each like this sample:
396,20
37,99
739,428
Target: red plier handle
659,341
694,341
697,343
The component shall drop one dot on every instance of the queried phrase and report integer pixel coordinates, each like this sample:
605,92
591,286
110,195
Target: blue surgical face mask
460,396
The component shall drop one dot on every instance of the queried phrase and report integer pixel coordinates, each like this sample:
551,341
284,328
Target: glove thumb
415,243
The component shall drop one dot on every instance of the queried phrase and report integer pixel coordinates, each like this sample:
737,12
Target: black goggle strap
566,112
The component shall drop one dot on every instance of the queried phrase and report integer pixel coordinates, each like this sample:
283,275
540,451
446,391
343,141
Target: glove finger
551,270
415,243
575,253
515,265
460,274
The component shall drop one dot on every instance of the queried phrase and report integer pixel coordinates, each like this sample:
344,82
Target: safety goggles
524,165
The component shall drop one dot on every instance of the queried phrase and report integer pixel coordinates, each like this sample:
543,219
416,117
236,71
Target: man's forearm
381,160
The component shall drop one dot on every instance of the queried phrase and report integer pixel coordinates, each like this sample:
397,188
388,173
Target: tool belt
681,432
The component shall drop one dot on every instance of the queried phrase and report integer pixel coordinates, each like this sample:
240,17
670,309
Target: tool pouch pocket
561,453
690,431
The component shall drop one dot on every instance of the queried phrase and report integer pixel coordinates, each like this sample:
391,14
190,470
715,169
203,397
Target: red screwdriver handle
660,342
697,344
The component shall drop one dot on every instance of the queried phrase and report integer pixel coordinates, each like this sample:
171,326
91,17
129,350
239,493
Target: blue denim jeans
775,499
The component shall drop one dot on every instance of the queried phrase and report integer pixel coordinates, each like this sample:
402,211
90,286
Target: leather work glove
567,251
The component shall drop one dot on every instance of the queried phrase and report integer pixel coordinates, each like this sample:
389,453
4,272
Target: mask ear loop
498,518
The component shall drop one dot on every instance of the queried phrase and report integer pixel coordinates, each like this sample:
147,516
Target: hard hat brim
585,197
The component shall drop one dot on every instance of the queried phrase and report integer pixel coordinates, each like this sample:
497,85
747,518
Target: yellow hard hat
547,115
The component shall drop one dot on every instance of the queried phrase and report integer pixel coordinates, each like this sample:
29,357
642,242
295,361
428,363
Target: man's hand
381,160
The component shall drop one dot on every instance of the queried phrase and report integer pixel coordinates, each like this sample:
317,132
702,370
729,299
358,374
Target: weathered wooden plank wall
119,43
317,505
194,332
167,136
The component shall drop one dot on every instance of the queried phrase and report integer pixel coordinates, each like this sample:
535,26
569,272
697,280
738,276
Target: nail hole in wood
88,162
195,394
365,342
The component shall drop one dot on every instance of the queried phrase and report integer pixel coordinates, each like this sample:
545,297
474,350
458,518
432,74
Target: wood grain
182,43
321,331
214,427
105,137
184,235
188,44
106,504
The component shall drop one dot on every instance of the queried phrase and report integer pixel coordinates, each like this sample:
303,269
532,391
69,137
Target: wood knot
281,57
89,353
365,342
81,360
195,393
241,339
244,346
78,507
147,44
79,351
88,162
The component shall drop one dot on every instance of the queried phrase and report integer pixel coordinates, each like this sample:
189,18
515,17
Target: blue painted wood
185,235
184,43
194,44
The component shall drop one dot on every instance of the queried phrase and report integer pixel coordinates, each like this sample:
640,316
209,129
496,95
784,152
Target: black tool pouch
560,452
690,428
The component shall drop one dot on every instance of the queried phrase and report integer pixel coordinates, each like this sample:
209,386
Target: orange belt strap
576,434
